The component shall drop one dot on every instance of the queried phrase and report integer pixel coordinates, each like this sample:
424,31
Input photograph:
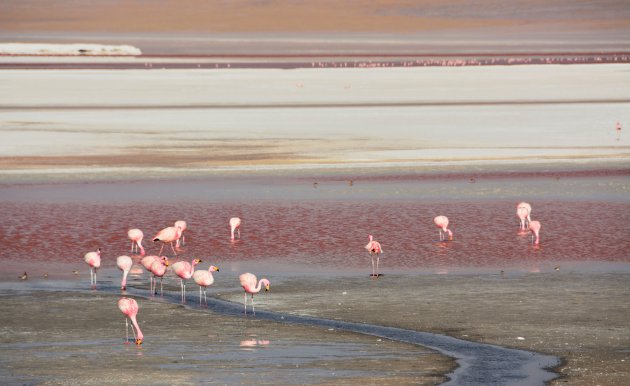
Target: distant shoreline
294,61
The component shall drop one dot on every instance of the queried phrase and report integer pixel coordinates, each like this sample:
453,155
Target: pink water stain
324,234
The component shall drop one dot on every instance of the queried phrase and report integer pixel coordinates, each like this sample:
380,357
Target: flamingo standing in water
182,225
204,279
374,247
147,262
534,226
93,259
235,225
129,307
184,270
124,263
158,269
524,209
442,223
248,282
168,235
136,236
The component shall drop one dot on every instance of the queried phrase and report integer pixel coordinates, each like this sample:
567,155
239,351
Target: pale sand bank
67,49
204,119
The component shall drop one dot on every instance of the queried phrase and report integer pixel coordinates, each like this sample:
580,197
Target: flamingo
136,236
182,225
158,269
204,279
168,235
442,223
147,262
534,226
124,263
374,247
93,259
129,307
235,225
185,270
522,208
248,282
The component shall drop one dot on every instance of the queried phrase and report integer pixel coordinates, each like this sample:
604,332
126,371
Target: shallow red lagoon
325,234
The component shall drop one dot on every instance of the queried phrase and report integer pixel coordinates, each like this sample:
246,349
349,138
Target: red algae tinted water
324,234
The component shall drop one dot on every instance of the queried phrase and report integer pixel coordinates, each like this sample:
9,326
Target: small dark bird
24,276
75,272
45,275
557,268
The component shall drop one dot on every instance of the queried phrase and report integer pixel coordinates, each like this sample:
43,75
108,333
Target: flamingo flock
158,265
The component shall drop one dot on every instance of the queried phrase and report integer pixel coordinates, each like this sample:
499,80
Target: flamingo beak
266,288
138,342
166,263
216,269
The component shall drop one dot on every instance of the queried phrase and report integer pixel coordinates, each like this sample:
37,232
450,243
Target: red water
324,234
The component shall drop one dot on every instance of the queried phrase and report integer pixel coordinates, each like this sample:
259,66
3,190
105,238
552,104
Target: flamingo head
139,341
98,251
450,234
370,237
196,261
266,283
213,268
164,260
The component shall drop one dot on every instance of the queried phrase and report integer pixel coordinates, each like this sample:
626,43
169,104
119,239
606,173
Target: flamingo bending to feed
129,307
374,247
248,282
158,269
147,261
182,225
235,225
524,209
442,223
136,236
93,259
534,226
124,263
184,270
168,235
204,279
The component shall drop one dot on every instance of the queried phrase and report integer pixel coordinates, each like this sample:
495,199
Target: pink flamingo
124,263
93,259
182,225
136,236
184,270
248,282
442,223
534,226
158,269
129,307
235,225
204,279
374,247
147,262
524,208
168,235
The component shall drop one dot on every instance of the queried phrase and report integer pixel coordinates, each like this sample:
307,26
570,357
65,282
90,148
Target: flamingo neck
123,284
135,324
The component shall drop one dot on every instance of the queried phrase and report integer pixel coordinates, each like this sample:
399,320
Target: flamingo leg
162,247
239,233
132,247
245,303
253,307
183,240
372,256
205,296
173,249
161,289
377,258
199,295
126,330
